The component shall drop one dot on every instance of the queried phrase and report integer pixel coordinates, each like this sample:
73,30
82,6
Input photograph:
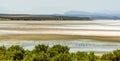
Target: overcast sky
57,6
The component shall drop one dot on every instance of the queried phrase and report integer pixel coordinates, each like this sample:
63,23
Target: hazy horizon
57,6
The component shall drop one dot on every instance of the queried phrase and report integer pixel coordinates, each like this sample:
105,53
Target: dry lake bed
99,36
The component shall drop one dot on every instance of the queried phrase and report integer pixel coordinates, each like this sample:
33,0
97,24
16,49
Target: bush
55,53
15,53
62,57
40,48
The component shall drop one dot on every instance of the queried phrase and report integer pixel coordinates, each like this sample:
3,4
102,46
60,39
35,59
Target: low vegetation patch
54,53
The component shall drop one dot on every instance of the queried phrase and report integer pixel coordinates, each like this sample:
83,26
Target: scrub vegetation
54,53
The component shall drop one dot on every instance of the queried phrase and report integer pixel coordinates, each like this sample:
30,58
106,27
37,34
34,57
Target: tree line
50,17
55,53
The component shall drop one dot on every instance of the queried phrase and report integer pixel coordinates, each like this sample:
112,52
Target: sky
57,6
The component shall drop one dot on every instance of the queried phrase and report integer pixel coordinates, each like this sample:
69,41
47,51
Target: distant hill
105,15
70,15
40,17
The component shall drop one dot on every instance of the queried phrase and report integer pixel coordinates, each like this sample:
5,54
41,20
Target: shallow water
75,45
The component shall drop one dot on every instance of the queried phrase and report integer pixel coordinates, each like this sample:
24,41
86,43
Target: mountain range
96,15
72,14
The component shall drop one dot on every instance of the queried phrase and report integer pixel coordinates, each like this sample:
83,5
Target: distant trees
43,17
54,53
3,19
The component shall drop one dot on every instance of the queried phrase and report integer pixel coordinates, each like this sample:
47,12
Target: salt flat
99,36
95,28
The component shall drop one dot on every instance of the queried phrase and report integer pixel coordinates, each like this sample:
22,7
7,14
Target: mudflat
105,30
